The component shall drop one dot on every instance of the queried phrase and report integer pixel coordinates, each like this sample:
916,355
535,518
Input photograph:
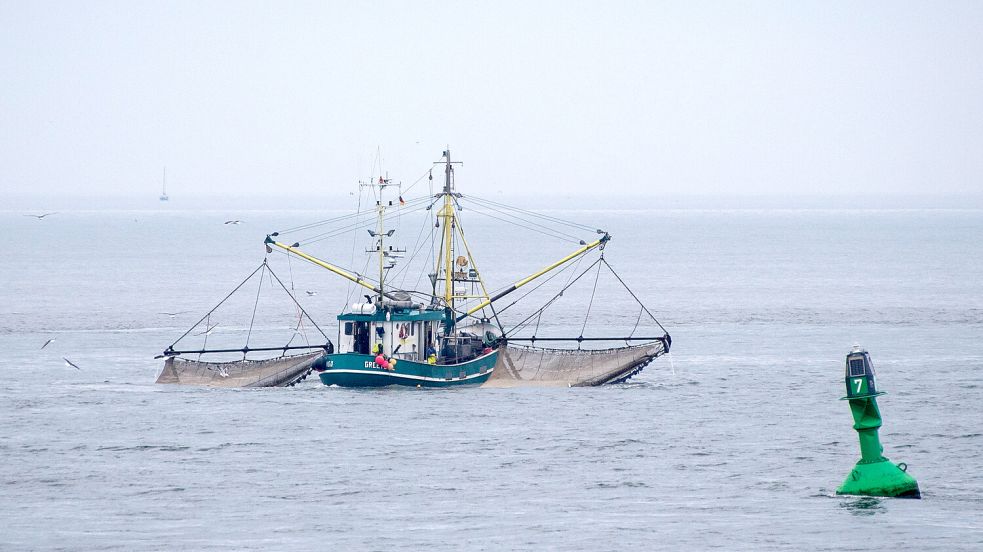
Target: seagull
48,342
70,363
311,293
233,222
39,217
172,314
209,330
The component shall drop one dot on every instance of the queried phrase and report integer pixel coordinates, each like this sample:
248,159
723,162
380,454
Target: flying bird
48,342
209,330
70,363
39,217
233,222
311,293
173,314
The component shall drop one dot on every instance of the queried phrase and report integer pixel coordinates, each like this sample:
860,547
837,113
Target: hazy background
742,99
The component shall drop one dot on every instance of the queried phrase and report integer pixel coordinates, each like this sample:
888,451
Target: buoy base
881,478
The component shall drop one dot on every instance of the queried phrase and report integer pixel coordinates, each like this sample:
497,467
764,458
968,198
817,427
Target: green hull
357,370
880,479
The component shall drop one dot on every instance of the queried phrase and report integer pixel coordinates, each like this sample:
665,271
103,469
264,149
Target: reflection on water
864,506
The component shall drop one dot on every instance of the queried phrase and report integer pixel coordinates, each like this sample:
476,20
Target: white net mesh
531,366
274,372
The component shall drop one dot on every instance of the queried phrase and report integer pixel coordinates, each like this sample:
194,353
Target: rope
550,233
294,299
637,320
360,224
417,181
634,296
417,247
205,344
433,251
255,305
534,214
358,209
207,314
503,212
544,282
361,220
555,297
590,303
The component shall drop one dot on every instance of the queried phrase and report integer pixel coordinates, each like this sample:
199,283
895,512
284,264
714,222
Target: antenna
387,255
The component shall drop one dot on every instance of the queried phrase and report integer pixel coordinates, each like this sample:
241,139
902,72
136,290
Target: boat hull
357,370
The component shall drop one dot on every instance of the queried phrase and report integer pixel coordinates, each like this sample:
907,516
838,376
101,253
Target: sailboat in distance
163,193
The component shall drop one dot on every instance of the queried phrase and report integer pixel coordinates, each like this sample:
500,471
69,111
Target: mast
447,213
387,255
380,234
380,211
163,190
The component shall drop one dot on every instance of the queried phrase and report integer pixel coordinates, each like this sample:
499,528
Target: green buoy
873,475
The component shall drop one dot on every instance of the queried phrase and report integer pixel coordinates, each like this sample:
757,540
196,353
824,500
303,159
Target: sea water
737,442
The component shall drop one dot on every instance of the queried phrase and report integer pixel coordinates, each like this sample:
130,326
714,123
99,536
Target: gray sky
648,97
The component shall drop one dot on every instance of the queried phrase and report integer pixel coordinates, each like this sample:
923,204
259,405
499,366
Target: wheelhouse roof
399,315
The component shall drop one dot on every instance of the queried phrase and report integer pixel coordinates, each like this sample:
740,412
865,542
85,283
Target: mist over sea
737,441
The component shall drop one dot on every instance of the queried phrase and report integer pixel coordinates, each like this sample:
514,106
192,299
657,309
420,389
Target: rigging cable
590,303
255,305
432,217
207,314
358,224
551,233
635,296
535,214
503,211
358,209
294,299
417,246
555,297
544,282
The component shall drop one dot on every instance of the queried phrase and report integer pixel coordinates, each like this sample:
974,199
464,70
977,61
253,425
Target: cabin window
856,367
348,328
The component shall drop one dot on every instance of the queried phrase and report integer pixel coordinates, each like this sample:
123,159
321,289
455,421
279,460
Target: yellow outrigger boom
596,243
339,271
445,260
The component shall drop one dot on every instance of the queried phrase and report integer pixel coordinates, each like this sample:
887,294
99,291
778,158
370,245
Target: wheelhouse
405,333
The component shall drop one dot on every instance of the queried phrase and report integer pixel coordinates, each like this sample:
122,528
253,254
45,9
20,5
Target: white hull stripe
404,376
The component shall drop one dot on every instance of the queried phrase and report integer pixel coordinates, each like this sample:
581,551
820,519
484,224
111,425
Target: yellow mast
448,216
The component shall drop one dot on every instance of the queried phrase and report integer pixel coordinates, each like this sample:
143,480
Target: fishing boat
452,334
394,340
